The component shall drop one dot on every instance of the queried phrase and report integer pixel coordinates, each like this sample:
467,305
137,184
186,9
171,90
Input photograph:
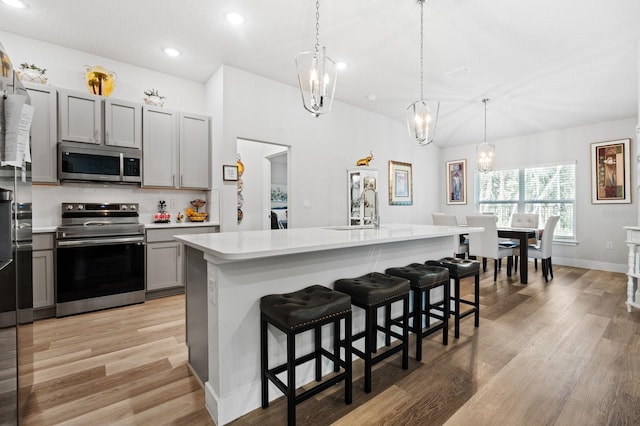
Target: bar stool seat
370,292
459,269
297,312
423,279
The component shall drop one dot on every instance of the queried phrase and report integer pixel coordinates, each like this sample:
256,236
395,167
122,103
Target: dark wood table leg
524,261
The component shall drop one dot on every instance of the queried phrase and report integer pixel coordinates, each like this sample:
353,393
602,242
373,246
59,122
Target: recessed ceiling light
341,65
169,51
14,3
234,18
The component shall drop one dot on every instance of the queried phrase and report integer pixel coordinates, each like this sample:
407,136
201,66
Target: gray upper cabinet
194,151
176,149
159,147
44,130
79,117
87,118
122,123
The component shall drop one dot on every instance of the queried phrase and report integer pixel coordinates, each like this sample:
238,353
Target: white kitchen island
227,274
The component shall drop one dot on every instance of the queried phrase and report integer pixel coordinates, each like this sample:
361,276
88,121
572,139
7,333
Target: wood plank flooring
564,352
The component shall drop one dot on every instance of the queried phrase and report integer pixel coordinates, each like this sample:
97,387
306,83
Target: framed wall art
611,172
229,173
457,182
400,184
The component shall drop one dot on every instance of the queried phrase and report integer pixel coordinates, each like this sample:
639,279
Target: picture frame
400,184
611,172
229,173
457,181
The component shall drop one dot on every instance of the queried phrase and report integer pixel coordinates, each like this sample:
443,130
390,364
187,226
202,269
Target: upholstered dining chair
451,220
485,244
525,220
542,251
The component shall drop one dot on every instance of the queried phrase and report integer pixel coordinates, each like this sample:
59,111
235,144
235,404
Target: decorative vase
154,100
34,76
100,81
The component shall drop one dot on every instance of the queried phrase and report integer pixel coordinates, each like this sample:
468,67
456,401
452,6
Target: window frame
521,202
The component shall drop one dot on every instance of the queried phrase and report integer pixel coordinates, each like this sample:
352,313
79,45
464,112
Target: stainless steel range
99,257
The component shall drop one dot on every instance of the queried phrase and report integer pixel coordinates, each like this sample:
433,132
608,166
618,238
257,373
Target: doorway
263,188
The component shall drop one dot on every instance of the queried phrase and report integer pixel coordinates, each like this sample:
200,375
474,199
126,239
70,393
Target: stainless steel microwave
79,162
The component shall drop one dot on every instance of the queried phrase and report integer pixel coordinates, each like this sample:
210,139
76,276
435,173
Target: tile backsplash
47,200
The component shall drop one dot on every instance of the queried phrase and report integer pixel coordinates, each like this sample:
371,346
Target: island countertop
233,246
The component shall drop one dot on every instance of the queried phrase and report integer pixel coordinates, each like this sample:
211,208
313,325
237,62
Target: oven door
98,273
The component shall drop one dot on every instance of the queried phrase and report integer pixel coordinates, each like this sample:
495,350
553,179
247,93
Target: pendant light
485,150
316,75
422,115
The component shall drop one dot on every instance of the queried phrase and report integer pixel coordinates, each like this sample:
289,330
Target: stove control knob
123,207
80,207
69,207
132,206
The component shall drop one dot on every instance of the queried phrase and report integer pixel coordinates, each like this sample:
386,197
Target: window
546,191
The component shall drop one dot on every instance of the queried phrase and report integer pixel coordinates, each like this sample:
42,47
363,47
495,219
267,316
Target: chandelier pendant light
422,115
316,75
485,150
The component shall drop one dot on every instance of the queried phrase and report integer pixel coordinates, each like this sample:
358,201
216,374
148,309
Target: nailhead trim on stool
370,292
459,269
297,312
423,279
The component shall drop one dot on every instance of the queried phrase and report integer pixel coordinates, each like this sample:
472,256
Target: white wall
65,68
595,224
248,106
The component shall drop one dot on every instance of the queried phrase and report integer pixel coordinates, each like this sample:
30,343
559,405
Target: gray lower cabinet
43,271
164,272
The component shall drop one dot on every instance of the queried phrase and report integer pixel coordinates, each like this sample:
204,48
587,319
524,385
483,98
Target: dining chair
443,219
525,220
485,244
542,251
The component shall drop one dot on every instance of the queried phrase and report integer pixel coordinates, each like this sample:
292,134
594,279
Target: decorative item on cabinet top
100,81
366,160
32,73
152,97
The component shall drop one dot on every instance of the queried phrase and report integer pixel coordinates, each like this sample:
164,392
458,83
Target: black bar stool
459,269
370,292
423,279
297,312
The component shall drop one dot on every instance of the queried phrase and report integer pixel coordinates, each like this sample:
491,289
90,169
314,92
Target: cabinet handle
106,136
179,250
173,180
95,135
181,180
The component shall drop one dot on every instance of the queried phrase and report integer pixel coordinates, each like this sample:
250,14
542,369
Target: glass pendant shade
422,118
317,80
485,157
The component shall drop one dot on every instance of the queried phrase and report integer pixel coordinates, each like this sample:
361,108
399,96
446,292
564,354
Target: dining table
522,235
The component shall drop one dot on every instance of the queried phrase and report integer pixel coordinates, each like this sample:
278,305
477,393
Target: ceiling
545,64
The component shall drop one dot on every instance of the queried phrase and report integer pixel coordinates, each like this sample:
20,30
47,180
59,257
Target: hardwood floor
564,352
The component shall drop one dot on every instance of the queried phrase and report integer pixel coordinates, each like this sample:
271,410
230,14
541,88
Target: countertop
46,229
259,244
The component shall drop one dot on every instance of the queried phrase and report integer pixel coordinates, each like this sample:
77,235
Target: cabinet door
164,265
159,146
122,123
43,278
194,151
44,131
80,117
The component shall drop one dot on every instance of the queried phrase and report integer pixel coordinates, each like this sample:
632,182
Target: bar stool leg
456,307
336,345
477,300
317,334
417,321
369,345
291,379
446,308
405,332
387,324
263,362
348,386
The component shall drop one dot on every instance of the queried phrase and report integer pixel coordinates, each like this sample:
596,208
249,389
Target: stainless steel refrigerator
16,287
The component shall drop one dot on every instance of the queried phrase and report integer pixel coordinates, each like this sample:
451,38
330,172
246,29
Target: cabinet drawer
43,241
157,235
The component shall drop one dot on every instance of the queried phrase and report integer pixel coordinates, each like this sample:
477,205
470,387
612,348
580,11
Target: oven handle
101,242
